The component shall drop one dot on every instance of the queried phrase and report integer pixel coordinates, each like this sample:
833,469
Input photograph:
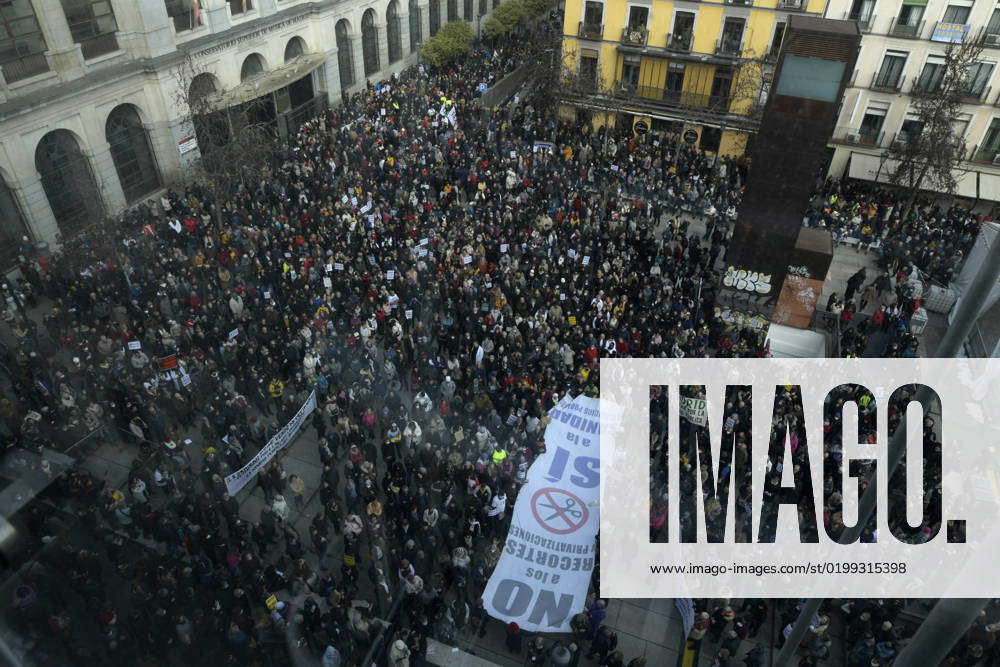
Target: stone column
404,36
37,212
144,28
381,29
164,146
425,19
359,59
106,176
215,14
64,55
331,76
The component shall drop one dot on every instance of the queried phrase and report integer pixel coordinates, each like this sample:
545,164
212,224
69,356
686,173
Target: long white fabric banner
543,575
238,479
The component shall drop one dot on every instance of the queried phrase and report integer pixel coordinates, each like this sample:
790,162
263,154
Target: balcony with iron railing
25,67
673,98
590,30
865,23
985,155
887,81
98,45
728,47
897,29
858,137
925,85
636,36
680,42
977,96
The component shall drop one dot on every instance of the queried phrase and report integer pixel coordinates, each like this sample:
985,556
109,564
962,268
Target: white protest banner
543,575
424,241
338,266
329,268
466,260
354,201
586,260
693,409
364,209
238,479
453,117
135,345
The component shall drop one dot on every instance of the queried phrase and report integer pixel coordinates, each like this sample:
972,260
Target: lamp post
881,162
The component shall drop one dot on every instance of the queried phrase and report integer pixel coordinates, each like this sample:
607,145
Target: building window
891,72
732,37
908,23
186,14
369,43
990,147
588,69
345,55
92,25
978,76
870,132
393,32
68,182
434,20
453,11
240,6
22,45
483,8
467,8
779,33
295,48
993,29
909,130
638,17
681,37
593,13
931,76
861,11
956,14
674,86
630,73
722,83
415,26
131,153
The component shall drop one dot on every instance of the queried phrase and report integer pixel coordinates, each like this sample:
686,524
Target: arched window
252,66
434,19
68,181
295,48
13,227
211,127
482,7
468,10
369,42
452,11
345,55
416,39
131,153
393,32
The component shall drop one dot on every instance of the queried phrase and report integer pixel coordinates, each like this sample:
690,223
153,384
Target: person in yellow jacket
499,454
277,390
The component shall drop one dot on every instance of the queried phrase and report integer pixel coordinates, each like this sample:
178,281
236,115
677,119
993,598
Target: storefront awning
867,167
989,186
269,81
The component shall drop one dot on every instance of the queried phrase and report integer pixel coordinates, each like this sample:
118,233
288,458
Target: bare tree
237,136
927,157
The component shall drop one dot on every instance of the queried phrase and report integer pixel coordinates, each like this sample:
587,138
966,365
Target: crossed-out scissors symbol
568,508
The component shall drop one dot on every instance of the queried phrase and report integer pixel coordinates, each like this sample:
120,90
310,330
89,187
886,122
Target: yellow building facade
702,68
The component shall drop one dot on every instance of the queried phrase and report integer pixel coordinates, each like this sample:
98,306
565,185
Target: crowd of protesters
439,284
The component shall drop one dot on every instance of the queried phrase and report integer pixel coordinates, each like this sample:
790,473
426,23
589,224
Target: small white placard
390,274
343,200
562,297
338,266
134,345
586,260
327,283
234,333
466,260
408,314
424,241
267,295
504,247
329,268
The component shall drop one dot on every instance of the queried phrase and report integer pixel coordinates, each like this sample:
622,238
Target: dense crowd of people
439,279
